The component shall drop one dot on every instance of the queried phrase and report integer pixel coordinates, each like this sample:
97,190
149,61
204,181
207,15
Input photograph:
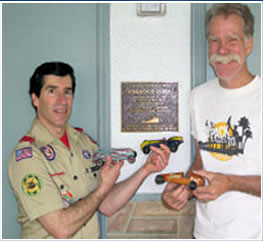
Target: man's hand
110,172
158,159
217,185
175,196
123,191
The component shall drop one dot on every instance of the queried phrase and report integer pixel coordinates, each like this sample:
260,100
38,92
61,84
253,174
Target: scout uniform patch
23,153
86,154
67,198
48,152
31,185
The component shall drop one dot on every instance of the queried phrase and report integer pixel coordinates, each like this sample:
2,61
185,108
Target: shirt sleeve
31,182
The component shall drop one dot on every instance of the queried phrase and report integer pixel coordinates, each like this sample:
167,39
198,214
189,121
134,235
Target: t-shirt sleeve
31,182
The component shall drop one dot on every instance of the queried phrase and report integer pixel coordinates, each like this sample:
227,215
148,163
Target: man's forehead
52,79
232,20
230,35
233,27
228,16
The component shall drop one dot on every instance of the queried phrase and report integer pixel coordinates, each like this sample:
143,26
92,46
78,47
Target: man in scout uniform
57,186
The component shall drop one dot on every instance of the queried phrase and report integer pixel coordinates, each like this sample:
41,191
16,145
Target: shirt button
61,186
94,174
75,177
71,154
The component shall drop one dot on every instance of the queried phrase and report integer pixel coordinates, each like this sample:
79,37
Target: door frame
103,85
198,54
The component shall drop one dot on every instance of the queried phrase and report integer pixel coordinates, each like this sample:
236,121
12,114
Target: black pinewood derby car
172,143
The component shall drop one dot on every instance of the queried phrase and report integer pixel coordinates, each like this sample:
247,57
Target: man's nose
62,98
222,48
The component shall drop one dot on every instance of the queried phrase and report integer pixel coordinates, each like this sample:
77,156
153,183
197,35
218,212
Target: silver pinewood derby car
117,154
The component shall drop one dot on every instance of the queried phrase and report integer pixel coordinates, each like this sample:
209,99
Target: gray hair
227,9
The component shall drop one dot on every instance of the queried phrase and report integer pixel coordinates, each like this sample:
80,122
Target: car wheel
99,162
192,185
131,159
159,179
146,149
173,148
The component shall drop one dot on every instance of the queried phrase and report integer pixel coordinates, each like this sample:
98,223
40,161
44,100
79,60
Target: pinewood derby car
193,181
117,154
172,143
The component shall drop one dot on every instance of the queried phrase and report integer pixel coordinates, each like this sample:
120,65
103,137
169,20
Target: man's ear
34,100
249,45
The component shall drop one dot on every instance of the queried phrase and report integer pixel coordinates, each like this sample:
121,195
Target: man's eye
212,41
232,40
68,92
52,91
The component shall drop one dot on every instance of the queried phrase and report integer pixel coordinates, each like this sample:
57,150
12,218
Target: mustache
224,59
60,107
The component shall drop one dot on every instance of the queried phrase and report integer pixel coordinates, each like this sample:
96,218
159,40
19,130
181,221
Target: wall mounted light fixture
151,9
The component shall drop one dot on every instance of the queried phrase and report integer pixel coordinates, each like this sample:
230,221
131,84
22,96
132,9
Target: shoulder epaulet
94,142
81,130
27,138
78,129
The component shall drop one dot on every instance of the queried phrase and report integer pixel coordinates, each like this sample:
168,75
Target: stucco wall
150,49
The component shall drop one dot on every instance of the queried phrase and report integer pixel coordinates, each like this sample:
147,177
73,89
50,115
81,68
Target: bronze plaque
149,106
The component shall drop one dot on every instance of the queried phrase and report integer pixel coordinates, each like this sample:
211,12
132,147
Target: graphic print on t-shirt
226,141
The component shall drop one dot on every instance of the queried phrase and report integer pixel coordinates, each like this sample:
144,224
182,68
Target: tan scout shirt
46,176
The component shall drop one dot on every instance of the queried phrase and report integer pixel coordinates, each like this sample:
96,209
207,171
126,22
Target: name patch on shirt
48,152
23,153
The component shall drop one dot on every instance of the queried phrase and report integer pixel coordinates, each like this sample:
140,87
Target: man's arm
123,191
65,222
247,184
198,163
219,183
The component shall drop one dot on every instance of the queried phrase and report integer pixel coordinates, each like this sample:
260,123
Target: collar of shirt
64,139
43,136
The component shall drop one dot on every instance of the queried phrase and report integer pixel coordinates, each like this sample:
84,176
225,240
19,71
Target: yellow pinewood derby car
172,143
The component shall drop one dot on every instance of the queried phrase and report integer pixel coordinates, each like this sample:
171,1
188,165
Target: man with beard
226,126
57,185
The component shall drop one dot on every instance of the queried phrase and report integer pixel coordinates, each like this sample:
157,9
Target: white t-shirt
227,123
